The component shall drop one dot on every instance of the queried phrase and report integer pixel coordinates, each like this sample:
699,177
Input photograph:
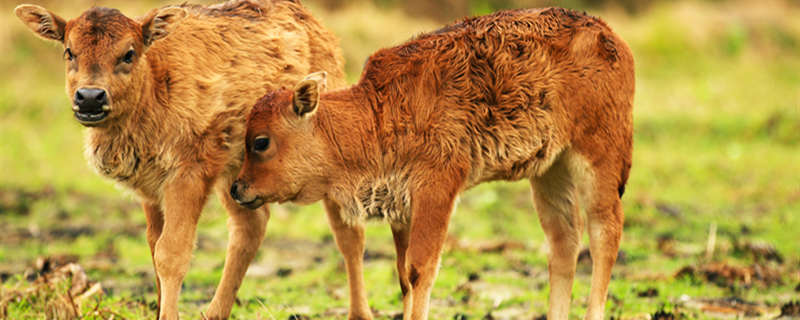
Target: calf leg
246,229
183,201
350,240
400,233
430,217
155,223
605,219
554,194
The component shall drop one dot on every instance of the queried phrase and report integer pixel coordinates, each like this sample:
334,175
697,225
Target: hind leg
605,219
555,197
155,223
246,229
400,234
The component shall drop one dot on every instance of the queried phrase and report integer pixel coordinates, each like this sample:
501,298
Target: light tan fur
544,95
175,115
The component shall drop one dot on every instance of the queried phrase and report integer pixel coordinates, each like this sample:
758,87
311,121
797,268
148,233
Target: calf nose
235,190
90,100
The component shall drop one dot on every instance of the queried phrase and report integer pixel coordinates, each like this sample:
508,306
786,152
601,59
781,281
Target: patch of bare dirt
69,210
494,246
497,293
759,251
666,245
283,257
669,209
791,309
726,275
585,257
20,201
371,254
729,308
510,313
648,293
663,314
19,235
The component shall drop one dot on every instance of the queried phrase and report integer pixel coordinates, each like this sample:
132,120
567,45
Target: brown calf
166,97
544,95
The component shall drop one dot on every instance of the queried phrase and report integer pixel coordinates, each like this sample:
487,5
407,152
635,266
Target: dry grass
58,292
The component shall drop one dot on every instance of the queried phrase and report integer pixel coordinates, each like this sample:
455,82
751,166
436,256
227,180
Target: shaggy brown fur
178,86
544,95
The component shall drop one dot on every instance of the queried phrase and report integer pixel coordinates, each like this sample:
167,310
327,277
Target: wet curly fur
544,95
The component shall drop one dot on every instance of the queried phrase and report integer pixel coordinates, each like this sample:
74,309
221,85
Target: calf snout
239,194
90,100
91,106
235,190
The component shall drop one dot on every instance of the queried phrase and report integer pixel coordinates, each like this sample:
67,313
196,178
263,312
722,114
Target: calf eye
68,54
261,144
128,58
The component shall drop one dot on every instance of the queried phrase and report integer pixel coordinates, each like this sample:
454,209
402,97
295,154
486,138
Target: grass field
717,155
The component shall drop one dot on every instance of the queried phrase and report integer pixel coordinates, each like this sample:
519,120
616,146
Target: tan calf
165,99
544,95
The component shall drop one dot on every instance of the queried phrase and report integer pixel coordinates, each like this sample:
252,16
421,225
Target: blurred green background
717,132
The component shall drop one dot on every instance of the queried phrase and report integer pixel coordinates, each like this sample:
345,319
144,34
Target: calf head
104,55
284,158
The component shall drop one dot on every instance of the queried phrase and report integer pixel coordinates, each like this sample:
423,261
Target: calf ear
321,77
42,22
306,93
160,22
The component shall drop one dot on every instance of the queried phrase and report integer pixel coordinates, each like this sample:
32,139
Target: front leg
184,197
432,204
350,240
246,229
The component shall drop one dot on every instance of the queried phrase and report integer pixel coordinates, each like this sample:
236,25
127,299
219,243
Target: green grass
717,132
